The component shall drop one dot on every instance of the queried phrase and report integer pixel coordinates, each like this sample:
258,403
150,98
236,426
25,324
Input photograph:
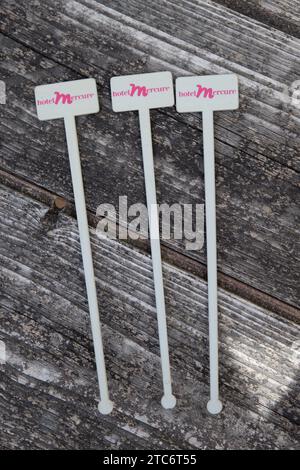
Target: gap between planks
175,258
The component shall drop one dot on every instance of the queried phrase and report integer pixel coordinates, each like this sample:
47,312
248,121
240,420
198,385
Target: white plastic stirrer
209,94
143,92
67,100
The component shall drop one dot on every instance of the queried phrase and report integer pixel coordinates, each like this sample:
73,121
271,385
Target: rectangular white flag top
142,91
74,98
208,92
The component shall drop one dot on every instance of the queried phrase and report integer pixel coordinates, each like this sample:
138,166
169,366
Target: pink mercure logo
140,90
65,98
204,92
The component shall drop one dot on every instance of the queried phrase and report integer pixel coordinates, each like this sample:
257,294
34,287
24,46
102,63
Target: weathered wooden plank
48,383
218,52
257,148
279,14
177,259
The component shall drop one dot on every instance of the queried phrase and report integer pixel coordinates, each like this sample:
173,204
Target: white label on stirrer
143,91
59,100
208,92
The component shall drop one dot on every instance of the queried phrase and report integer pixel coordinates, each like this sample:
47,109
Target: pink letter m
207,92
65,98
141,90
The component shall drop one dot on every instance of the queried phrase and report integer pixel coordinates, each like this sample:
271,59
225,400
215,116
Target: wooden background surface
48,388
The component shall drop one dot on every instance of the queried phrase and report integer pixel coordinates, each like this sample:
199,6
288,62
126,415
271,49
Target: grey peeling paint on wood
48,384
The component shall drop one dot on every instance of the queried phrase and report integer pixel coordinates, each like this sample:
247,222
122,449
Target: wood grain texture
48,387
257,147
176,259
280,14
